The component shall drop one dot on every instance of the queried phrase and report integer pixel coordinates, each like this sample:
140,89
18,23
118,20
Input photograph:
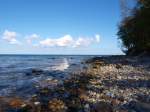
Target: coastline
107,84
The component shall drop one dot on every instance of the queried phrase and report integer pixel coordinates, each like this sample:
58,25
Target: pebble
36,103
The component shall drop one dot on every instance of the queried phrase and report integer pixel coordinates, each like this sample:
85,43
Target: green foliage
134,30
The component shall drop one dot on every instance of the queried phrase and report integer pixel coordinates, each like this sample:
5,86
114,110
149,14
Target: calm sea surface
20,73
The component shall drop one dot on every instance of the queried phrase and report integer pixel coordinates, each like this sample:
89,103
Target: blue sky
59,26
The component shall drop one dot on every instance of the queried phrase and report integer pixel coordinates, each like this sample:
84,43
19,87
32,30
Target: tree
134,30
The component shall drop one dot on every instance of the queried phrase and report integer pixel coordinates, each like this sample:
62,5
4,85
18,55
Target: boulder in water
35,72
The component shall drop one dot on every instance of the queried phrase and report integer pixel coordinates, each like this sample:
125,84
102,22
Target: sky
59,27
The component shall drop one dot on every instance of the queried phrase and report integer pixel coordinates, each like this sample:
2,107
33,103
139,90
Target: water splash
62,66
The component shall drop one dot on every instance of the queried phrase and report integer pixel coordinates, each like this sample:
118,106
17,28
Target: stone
35,72
118,66
36,103
56,105
139,106
16,103
103,107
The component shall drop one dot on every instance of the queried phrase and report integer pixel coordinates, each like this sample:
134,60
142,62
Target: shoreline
108,84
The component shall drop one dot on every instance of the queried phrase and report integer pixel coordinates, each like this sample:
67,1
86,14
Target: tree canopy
134,30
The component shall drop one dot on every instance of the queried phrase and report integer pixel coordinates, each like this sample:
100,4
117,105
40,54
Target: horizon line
57,54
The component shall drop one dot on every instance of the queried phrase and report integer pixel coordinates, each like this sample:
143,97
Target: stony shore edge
103,84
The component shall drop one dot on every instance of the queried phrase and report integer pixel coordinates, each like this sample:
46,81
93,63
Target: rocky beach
96,84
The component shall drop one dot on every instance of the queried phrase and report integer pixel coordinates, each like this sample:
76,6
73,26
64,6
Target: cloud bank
64,41
69,41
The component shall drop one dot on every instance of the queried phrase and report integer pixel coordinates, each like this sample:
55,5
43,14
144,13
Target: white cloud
10,37
31,38
64,41
68,41
47,42
97,36
82,42
61,42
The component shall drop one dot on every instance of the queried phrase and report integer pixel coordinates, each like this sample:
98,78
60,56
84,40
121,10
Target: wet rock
139,106
83,97
110,94
56,105
96,61
35,72
143,98
74,104
48,83
16,103
44,91
73,64
124,61
102,107
115,102
118,66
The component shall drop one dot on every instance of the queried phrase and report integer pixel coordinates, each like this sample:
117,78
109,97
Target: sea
19,74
